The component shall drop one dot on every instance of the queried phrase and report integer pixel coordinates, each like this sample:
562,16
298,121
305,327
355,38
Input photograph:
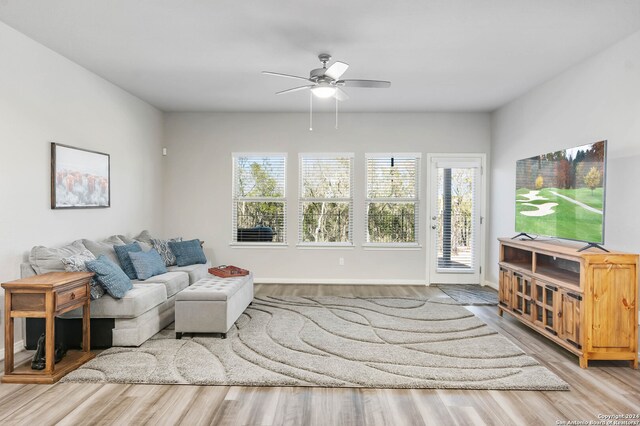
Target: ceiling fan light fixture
323,91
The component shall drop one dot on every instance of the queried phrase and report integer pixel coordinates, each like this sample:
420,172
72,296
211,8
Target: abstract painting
79,178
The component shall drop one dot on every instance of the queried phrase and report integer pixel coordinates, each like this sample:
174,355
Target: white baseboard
338,281
490,284
17,347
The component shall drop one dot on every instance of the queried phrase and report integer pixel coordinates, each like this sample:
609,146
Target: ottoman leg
223,335
178,335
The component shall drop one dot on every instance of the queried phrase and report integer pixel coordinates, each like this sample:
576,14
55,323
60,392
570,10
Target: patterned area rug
467,294
333,342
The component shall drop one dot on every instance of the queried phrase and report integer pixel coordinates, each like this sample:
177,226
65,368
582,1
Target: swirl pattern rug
333,342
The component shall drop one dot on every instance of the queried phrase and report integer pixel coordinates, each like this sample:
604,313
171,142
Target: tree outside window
392,198
259,199
326,202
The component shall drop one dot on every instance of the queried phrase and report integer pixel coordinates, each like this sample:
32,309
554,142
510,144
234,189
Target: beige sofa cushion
127,240
104,247
144,236
46,259
173,281
196,272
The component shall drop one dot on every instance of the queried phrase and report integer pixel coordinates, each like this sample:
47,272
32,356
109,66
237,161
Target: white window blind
259,198
393,202
326,199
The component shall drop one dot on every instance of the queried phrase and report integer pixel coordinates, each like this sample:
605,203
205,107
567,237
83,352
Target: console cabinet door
522,296
547,305
570,318
613,307
505,290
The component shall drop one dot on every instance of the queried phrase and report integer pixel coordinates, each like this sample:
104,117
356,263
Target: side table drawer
68,297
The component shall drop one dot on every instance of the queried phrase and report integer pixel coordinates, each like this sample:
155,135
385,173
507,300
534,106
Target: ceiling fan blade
341,95
336,70
278,74
295,89
378,84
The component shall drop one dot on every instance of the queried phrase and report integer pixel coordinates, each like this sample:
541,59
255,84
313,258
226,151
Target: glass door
455,220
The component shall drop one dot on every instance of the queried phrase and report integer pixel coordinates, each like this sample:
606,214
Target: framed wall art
79,178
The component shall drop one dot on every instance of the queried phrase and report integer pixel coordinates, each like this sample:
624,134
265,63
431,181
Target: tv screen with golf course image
561,194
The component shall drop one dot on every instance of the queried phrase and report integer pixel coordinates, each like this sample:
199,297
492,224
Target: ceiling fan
325,82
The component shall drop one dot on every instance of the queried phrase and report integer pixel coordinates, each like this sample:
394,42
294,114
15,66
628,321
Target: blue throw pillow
112,278
147,264
187,252
122,252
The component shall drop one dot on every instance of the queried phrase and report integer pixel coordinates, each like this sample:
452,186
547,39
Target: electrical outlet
341,261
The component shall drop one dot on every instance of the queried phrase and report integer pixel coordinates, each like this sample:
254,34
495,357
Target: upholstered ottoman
212,304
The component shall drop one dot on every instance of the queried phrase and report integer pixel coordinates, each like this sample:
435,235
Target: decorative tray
228,271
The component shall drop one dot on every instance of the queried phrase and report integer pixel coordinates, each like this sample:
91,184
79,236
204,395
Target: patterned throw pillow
112,278
125,261
162,247
147,264
188,252
77,263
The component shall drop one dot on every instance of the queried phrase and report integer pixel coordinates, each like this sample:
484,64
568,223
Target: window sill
259,245
325,246
391,246
456,271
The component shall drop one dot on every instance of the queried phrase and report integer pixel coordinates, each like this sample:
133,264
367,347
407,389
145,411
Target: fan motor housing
318,74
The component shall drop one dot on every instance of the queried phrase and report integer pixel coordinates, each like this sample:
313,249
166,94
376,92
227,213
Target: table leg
8,334
584,363
86,335
50,337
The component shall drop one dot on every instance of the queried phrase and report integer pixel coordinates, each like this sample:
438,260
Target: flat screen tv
562,194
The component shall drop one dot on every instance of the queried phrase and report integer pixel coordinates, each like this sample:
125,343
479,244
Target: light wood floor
605,388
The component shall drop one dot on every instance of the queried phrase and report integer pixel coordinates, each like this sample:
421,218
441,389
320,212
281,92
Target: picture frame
80,178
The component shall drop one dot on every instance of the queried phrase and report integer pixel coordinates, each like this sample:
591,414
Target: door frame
481,244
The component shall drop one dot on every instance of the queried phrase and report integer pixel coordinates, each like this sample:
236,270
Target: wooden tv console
585,302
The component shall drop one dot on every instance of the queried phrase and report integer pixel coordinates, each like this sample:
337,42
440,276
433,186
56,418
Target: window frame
235,200
301,199
416,201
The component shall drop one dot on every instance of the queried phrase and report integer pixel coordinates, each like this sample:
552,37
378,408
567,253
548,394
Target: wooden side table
45,296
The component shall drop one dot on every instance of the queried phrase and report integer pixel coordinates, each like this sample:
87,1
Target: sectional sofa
142,312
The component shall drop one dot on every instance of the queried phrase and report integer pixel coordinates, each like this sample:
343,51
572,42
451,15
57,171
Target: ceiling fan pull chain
336,112
310,111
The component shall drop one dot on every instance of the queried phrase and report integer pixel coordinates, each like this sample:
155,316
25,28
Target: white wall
198,183
595,100
46,98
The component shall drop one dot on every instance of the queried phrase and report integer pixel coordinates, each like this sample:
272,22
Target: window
393,198
259,198
326,200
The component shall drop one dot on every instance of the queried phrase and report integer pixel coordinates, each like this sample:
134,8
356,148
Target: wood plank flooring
605,388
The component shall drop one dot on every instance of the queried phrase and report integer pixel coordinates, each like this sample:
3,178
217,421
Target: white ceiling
440,55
